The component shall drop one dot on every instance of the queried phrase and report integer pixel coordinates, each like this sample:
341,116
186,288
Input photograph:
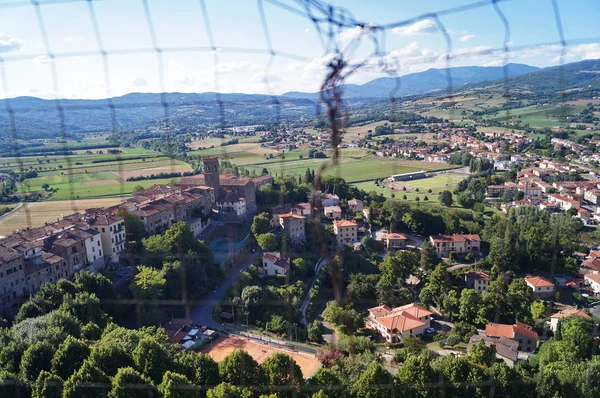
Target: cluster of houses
80,241
95,238
513,343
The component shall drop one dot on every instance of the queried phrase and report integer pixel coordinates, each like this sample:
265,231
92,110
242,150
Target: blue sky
189,65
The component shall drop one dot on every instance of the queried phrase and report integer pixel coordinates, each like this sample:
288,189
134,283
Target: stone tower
211,173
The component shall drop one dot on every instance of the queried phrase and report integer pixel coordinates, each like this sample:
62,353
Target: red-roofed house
395,241
554,318
593,281
274,265
541,287
519,332
292,225
394,323
345,231
477,280
461,244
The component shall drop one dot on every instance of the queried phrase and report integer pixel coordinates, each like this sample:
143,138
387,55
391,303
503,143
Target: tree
277,324
252,298
481,354
332,386
45,186
69,357
36,358
470,301
413,345
268,242
201,369
227,390
128,382
345,318
261,224
537,309
152,359
111,357
138,188
11,386
429,257
87,381
10,356
47,385
451,304
135,230
315,331
374,382
240,369
282,373
176,385
300,267
463,331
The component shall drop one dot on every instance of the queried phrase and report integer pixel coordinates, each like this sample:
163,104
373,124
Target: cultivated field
438,183
260,351
36,214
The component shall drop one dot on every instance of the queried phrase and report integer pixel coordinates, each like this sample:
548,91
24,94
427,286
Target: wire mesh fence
350,45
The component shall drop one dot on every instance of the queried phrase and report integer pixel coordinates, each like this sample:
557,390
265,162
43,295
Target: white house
541,287
274,265
593,281
554,318
394,323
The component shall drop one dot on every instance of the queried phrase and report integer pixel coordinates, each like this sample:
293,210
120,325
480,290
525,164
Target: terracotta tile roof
344,223
538,281
593,277
456,238
569,312
8,254
395,236
380,311
413,309
400,322
292,216
270,256
509,331
478,275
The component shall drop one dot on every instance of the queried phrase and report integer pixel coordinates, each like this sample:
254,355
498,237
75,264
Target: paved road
202,313
306,301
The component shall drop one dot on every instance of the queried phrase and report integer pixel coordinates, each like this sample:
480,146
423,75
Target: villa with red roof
273,264
394,323
394,241
461,244
555,318
345,231
519,332
541,286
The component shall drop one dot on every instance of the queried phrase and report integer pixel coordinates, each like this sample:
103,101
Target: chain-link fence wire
328,21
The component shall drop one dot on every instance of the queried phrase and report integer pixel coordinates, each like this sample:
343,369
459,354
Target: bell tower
211,173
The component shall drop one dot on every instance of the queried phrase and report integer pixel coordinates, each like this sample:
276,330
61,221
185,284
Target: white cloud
356,32
510,43
139,82
294,65
306,30
471,52
423,27
264,77
9,43
581,52
467,37
42,59
315,69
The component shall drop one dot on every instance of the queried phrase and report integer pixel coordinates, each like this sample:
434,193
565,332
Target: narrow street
306,301
202,313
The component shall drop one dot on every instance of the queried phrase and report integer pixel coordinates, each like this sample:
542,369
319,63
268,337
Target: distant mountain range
427,82
39,118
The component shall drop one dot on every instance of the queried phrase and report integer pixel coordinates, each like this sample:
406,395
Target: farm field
437,184
352,169
36,214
